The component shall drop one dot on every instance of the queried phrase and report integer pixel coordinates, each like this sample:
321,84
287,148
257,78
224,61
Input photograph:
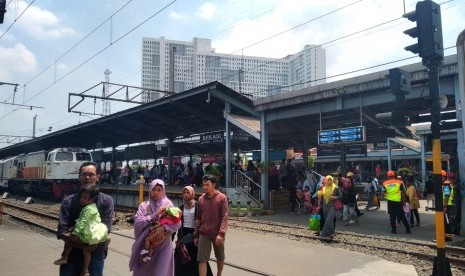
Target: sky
52,48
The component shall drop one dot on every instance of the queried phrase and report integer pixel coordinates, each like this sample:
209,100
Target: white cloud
17,59
42,24
178,16
206,10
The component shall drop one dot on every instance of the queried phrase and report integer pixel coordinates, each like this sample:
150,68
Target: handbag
183,253
314,222
188,239
375,200
338,205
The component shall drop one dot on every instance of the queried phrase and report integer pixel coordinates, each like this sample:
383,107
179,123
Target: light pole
34,126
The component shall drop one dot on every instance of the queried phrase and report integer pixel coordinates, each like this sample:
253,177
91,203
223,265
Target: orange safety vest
392,187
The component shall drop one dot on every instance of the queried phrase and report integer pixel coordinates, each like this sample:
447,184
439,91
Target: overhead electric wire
351,72
321,44
9,27
96,54
275,35
103,49
75,45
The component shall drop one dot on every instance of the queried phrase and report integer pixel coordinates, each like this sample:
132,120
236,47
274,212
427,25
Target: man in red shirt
210,225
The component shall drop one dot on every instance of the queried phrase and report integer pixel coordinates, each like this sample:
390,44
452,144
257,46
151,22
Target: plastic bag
314,222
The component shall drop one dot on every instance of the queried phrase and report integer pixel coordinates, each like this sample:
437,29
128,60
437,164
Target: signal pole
427,15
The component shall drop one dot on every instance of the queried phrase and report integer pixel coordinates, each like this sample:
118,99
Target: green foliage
405,172
311,162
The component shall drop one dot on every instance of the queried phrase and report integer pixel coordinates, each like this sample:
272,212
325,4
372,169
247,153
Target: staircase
280,200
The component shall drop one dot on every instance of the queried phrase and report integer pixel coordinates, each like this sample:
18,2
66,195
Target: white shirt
189,217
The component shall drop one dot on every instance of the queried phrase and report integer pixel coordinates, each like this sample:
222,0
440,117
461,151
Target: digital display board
341,135
335,150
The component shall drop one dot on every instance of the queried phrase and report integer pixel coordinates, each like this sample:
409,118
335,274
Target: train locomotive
47,174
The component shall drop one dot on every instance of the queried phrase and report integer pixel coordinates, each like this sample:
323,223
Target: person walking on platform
189,208
351,176
70,209
210,225
414,203
395,191
148,212
348,201
330,193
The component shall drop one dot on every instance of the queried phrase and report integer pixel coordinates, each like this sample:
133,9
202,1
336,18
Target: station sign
384,146
214,137
335,150
342,135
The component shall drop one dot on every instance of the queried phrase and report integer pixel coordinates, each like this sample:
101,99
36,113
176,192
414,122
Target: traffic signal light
2,10
427,15
399,81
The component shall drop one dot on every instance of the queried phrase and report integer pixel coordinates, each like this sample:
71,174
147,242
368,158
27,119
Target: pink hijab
163,201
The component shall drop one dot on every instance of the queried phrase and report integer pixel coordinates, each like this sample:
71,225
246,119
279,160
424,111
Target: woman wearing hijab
186,234
330,194
162,261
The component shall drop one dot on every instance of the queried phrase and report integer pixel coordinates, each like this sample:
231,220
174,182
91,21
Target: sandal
60,261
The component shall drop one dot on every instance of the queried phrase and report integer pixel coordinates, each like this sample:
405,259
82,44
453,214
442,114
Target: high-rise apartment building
170,65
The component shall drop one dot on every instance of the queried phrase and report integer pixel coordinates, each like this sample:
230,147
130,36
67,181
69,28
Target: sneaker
418,225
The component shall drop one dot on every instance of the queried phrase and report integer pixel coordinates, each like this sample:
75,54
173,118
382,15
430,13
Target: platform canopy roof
182,115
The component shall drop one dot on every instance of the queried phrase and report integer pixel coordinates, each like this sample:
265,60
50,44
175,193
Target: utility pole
34,126
105,93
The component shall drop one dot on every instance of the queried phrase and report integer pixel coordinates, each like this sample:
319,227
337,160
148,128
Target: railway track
40,218
46,220
353,241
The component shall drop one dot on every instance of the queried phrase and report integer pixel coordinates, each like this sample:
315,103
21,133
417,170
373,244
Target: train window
83,156
64,156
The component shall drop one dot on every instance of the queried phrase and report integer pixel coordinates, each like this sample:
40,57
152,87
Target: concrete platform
27,253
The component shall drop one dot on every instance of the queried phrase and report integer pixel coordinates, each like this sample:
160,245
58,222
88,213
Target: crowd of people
199,226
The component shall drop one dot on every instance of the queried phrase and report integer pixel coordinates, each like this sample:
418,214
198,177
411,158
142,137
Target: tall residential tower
170,65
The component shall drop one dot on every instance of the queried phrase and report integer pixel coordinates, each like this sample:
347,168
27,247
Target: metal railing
248,186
